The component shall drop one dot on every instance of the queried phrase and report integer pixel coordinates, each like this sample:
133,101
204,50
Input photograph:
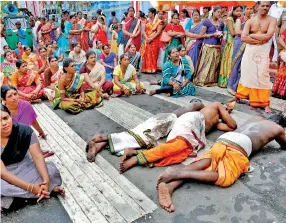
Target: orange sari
26,83
150,51
85,36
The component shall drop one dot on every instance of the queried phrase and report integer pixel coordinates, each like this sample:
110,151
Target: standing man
21,34
255,82
131,29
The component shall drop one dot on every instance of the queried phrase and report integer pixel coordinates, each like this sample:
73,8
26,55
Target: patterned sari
110,61
31,60
194,46
225,66
130,25
92,97
135,60
175,41
73,38
26,83
150,51
47,36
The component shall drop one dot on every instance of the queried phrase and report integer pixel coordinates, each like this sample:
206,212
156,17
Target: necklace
258,23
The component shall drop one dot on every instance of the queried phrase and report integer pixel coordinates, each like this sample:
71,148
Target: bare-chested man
255,82
186,138
226,160
144,135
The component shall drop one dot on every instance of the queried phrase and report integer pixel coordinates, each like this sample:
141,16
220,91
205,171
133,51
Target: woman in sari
238,50
100,30
125,78
176,77
69,93
207,69
114,36
27,82
42,62
52,75
226,59
8,67
74,31
177,34
182,52
108,60
30,58
46,31
194,39
279,87
134,57
24,172
57,52
18,52
77,55
62,37
95,76
50,49
85,35
151,47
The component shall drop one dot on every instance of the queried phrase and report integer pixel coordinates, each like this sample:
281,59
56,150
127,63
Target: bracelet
32,188
28,187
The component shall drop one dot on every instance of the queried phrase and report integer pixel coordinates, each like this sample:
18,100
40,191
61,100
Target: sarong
145,135
172,152
279,87
225,68
206,73
228,161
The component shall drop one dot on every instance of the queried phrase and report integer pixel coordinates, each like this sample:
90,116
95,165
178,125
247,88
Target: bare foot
127,164
168,95
165,199
98,138
154,83
152,92
267,109
60,190
142,91
230,106
94,148
128,153
168,175
105,96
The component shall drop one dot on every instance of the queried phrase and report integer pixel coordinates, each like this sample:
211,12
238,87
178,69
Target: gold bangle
28,187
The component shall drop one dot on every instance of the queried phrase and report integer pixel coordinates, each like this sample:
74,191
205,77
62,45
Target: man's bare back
261,132
216,111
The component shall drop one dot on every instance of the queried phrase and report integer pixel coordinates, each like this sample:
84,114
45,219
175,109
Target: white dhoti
145,135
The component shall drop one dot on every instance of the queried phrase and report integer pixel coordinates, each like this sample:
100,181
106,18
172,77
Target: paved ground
256,197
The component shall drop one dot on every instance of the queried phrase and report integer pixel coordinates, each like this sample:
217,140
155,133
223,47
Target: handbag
165,37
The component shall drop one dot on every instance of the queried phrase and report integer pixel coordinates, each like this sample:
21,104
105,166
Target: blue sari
63,42
195,45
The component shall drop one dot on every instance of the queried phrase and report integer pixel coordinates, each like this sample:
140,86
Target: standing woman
226,60
206,73
151,47
74,31
69,94
177,34
109,60
46,31
100,30
186,19
85,35
194,39
238,50
24,172
114,37
62,36
98,49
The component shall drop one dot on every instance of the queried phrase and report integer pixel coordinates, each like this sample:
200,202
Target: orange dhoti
228,161
173,152
257,97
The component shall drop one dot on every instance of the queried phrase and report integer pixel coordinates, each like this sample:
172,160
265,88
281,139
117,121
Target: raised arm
237,27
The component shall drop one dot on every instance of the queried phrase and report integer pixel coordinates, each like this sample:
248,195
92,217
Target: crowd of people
75,65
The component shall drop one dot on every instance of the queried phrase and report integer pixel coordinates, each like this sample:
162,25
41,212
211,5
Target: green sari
92,97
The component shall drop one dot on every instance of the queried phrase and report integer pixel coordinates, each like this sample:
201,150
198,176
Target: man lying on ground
185,139
145,135
226,160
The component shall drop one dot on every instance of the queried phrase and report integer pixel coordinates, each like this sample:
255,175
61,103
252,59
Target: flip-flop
48,154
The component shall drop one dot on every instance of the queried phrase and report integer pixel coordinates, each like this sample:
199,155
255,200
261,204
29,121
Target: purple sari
26,113
238,51
195,45
110,61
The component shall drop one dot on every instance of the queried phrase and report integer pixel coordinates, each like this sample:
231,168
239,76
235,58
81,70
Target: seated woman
95,76
24,172
42,62
98,49
176,76
50,50
57,52
109,60
8,67
182,52
69,93
27,82
125,78
51,75
77,55
31,58
134,57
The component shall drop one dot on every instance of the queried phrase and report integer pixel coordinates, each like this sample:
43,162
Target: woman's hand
127,92
40,190
176,87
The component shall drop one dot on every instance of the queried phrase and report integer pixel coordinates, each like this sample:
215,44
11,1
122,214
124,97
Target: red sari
85,37
101,35
130,25
26,83
150,51
47,36
41,65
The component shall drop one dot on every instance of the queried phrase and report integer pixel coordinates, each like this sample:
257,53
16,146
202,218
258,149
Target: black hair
5,109
132,44
105,46
75,44
26,47
233,9
49,44
142,14
52,57
122,56
5,88
113,13
42,47
186,12
279,119
131,7
175,11
66,63
5,47
174,15
5,54
208,8
216,8
62,24
196,10
71,16
153,11
79,12
89,53
115,26
18,42
19,63
180,47
196,100
96,42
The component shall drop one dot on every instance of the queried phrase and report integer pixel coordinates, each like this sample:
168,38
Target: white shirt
275,11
